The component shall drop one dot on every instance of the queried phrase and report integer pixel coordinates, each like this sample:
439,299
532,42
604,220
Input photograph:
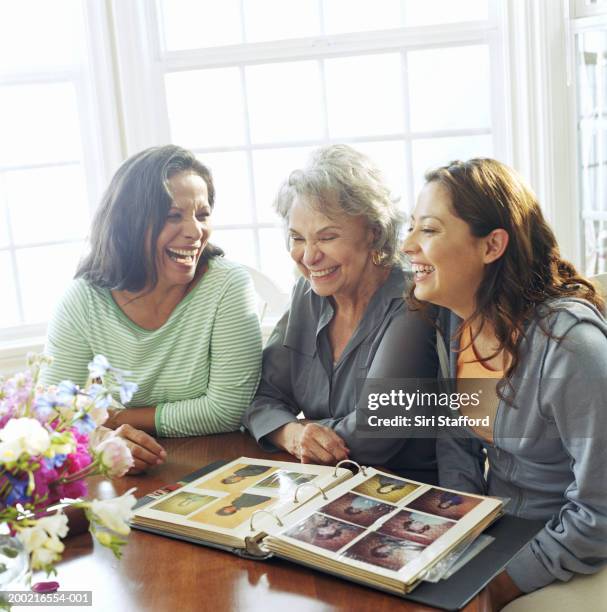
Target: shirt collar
392,289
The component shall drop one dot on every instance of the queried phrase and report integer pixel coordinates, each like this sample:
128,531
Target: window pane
275,259
432,152
429,12
364,95
440,82
595,232
3,214
285,101
205,107
9,312
389,157
289,19
47,204
593,166
270,168
191,24
40,35
44,274
361,15
238,245
39,124
232,194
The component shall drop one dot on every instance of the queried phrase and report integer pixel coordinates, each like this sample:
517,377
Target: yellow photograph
237,478
386,488
183,503
232,511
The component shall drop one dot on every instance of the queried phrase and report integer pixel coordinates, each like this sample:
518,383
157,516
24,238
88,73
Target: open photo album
374,528
223,507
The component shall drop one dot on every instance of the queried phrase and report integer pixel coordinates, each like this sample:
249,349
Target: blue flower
67,390
101,396
47,402
56,462
99,366
85,424
42,413
127,389
17,491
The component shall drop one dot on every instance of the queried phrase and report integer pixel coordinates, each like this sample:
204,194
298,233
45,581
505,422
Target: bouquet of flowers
47,451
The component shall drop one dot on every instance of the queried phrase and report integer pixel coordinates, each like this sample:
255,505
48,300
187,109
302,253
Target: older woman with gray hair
347,320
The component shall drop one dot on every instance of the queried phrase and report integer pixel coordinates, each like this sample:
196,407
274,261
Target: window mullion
251,178
410,189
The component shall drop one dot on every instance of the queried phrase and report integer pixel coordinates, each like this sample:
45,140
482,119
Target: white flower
42,539
54,524
10,451
115,456
27,434
43,557
114,514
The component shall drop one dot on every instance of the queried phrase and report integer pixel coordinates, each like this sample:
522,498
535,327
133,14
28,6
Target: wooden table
161,574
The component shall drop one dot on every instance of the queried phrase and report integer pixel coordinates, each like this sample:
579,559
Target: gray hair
356,183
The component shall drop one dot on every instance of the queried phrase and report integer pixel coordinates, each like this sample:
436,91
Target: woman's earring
379,258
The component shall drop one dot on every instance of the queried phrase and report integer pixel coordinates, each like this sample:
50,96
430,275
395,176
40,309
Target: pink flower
44,477
73,490
115,456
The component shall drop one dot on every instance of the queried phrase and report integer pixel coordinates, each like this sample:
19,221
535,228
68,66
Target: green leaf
2,567
9,552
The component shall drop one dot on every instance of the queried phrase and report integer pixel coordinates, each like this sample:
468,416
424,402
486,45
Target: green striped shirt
200,369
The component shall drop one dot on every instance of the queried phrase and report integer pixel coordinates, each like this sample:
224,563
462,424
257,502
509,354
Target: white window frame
101,145
143,64
582,21
127,112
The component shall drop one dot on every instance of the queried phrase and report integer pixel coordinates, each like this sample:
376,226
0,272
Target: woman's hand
311,443
145,450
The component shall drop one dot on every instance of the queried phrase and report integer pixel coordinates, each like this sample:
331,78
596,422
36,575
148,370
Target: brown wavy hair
488,195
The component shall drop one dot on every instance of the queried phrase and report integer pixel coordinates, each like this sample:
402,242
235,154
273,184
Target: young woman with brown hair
519,316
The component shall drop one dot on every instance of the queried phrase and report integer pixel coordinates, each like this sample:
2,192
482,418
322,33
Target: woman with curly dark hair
522,323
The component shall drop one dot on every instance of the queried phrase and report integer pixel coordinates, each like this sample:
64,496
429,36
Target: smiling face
186,230
448,261
333,253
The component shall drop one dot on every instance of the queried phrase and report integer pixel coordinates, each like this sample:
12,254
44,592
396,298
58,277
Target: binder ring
362,468
280,523
308,484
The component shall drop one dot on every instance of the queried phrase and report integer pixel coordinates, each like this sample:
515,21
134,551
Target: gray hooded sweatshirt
549,455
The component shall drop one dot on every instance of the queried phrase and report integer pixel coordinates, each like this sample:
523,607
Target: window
592,143
50,162
253,95
252,86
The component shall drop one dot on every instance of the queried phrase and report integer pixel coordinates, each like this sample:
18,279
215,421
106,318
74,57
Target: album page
218,506
381,529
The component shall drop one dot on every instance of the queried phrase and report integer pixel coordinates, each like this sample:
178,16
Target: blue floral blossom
101,396
17,491
56,462
127,389
67,390
48,401
99,366
84,425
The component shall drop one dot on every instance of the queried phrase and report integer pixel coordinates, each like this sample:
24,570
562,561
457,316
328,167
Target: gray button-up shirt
299,375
